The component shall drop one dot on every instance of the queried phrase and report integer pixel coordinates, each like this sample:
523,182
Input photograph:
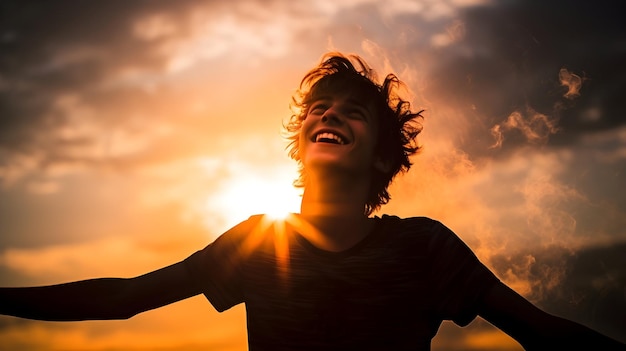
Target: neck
337,211
330,197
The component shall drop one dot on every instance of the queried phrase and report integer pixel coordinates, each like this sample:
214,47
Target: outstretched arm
536,329
103,298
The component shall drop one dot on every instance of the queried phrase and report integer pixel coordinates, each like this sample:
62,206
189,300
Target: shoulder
434,232
409,231
235,243
405,220
252,223
240,232
409,224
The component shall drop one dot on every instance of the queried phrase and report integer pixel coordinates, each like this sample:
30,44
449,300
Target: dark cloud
593,291
586,286
34,72
510,59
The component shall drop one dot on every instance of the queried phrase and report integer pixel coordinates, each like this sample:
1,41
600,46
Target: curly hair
398,125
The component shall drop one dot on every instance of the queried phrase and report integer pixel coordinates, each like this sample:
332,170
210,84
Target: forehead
356,90
345,99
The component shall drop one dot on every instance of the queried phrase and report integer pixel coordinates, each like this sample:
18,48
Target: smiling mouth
330,138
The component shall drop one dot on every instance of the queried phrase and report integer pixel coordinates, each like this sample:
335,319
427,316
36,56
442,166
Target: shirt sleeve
216,269
459,278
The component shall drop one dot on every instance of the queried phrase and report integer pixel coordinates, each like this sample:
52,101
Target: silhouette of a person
332,277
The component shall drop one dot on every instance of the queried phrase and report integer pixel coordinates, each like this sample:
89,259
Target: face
338,134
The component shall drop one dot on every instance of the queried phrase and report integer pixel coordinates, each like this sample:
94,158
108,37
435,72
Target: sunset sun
249,194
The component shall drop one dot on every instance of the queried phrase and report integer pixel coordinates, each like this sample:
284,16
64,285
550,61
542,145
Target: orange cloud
192,324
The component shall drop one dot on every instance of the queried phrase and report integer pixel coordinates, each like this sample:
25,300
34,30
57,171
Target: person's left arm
536,329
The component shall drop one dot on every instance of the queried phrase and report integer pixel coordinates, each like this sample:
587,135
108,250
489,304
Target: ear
381,165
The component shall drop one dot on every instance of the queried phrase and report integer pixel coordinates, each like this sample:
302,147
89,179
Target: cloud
103,94
59,263
535,127
586,286
175,327
572,82
529,54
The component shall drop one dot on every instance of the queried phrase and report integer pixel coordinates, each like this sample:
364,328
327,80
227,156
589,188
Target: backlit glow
249,194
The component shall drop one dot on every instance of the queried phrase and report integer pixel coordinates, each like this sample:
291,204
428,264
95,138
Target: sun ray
281,246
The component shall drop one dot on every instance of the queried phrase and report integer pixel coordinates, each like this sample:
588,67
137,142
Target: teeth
329,136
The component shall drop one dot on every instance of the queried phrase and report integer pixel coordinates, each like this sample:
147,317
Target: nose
331,116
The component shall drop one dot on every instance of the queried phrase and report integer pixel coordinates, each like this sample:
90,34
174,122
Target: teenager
332,277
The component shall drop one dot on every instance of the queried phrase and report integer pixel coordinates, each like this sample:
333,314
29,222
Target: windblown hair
398,126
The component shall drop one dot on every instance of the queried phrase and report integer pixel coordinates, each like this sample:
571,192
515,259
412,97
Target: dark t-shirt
391,291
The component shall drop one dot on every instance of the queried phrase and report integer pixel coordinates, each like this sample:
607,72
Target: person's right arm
536,329
102,298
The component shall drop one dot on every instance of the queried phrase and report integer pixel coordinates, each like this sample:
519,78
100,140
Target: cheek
302,139
305,128
366,133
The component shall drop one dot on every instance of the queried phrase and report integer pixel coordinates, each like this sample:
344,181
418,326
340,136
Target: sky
133,133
